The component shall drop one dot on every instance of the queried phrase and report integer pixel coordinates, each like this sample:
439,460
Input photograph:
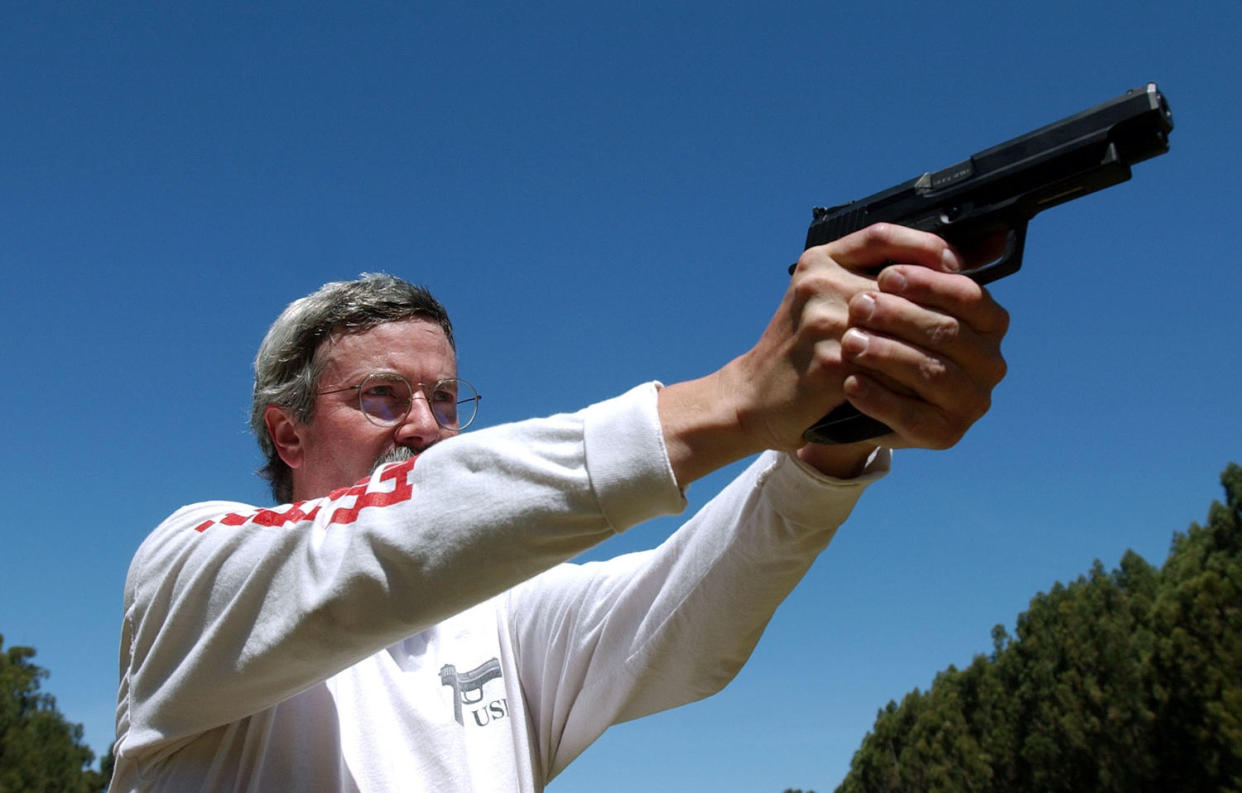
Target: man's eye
380,392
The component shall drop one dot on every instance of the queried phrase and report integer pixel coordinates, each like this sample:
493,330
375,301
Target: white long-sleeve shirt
419,632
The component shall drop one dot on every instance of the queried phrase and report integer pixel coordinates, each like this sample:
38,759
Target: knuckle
808,259
812,280
820,324
804,287
950,440
948,433
944,428
1002,320
992,317
998,369
814,262
985,405
917,284
808,284
975,410
944,330
968,294
886,235
879,232
827,361
933,371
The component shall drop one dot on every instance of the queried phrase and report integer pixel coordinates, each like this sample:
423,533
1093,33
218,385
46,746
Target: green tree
1197,652
40,752
1121,681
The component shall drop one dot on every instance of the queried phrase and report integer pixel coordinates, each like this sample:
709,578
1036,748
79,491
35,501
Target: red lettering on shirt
363,498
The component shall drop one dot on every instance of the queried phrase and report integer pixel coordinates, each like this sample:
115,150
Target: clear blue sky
602,195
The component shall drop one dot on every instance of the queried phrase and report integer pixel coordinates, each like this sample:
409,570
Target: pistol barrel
1006,185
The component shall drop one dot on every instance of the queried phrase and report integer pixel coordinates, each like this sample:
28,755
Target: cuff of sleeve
626,459
876,468
806,496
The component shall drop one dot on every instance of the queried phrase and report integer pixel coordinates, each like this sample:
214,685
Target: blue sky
602,195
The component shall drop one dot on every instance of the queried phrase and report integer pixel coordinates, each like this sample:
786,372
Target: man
405,622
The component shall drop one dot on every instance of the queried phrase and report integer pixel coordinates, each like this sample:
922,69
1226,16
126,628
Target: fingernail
893,280
864,306
952,263
855,342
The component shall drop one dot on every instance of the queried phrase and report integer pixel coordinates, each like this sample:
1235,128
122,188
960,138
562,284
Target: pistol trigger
1009,262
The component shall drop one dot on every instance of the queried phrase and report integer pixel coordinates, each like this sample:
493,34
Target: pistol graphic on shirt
998,191
464,683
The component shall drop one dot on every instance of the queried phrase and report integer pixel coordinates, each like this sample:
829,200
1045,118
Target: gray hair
290,359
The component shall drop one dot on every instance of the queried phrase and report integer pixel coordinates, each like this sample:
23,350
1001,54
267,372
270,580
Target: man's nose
419,429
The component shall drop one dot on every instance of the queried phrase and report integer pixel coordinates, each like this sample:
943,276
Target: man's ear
285,434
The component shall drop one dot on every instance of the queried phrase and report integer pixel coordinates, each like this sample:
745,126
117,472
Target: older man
404,621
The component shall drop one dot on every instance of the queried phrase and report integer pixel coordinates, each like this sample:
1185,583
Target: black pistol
998,191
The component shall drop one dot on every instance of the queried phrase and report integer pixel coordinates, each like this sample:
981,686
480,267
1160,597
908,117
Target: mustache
397,455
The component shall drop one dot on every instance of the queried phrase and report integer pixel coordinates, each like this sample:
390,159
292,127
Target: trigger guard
1008,263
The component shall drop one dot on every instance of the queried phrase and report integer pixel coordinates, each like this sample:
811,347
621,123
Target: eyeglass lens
385,399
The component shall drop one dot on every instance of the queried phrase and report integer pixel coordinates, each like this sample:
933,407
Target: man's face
340,446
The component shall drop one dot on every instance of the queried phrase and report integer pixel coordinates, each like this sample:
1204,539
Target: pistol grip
844,424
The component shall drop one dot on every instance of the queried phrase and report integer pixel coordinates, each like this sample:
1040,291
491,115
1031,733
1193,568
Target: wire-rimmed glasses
385,398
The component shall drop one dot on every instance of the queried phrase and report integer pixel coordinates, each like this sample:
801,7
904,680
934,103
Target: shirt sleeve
230,609
606,642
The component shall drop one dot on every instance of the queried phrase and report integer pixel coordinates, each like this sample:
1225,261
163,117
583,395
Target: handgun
998,191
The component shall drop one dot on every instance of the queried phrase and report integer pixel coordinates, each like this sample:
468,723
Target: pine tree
1121,681
1197,655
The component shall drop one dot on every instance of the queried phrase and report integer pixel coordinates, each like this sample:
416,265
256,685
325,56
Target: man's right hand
922,355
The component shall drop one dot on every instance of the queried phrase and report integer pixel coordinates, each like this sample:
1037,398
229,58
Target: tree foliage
40,752
1129,680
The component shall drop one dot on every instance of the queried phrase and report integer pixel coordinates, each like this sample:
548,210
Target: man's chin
397,455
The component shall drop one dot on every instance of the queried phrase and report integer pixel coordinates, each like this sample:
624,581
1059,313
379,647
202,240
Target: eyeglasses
385,398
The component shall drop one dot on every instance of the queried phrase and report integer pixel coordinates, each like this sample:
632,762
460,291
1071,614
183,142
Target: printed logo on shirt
468,692
363,497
